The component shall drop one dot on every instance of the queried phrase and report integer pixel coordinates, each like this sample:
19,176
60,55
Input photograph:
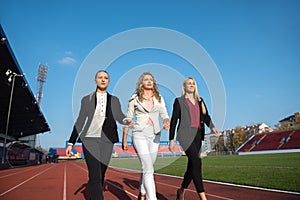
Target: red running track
68,181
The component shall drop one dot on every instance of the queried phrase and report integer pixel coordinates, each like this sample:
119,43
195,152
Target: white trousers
146,145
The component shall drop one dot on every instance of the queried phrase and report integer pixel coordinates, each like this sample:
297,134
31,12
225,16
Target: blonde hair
140,90
196,94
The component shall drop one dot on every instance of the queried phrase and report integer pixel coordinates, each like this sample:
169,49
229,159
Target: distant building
263,128
211,140
297,120
290,122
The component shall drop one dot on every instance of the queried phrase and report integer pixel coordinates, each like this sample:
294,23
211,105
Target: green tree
220,147
229,142
239,137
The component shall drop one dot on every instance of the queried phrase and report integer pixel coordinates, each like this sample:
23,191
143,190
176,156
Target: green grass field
275,171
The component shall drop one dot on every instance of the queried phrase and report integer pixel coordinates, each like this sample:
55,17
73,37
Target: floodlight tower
41,79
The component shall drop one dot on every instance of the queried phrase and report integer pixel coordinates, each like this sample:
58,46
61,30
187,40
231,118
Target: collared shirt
142,114
99,116
194,113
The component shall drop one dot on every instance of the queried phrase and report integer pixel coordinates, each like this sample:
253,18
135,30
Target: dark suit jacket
86,113
181,112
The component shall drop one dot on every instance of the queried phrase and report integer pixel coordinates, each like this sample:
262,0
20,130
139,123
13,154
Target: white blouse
95,128
143,114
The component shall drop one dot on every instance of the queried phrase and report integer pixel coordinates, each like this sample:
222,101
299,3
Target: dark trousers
97,155
194,167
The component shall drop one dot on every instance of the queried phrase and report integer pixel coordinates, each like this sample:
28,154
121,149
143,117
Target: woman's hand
124,138
124,146
166,124
69,151
129,122
216,131
171,146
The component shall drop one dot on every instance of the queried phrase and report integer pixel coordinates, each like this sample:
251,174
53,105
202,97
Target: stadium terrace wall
269,152
117,151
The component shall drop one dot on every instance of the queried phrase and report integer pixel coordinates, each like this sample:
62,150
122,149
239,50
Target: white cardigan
142,113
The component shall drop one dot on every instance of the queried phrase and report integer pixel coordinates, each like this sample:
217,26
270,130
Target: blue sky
254,48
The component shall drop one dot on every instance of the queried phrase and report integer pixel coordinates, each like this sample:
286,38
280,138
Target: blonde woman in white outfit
147,105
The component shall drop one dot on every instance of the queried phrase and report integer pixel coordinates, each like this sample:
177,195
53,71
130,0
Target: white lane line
253,187
127,192
65,183
137,171
24,181
77,165
121,189
207,194
216,182
21,171
161,183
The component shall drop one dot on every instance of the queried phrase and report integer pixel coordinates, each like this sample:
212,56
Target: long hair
196,94
140,90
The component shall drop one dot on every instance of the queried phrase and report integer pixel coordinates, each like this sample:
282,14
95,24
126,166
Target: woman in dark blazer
97,129
192,114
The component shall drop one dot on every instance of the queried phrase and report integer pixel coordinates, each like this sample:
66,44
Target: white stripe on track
216,182
172,186
207,194
19,172
119,188
252,187
24,181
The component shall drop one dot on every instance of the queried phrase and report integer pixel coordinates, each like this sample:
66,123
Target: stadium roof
290,118
26,117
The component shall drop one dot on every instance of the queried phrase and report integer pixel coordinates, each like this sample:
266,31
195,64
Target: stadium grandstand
20,115
163,150
274,142
77,152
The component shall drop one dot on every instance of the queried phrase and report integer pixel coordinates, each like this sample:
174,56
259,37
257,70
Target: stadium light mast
11,78
41,79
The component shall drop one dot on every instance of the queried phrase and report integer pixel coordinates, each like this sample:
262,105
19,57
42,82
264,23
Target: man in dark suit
96,128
